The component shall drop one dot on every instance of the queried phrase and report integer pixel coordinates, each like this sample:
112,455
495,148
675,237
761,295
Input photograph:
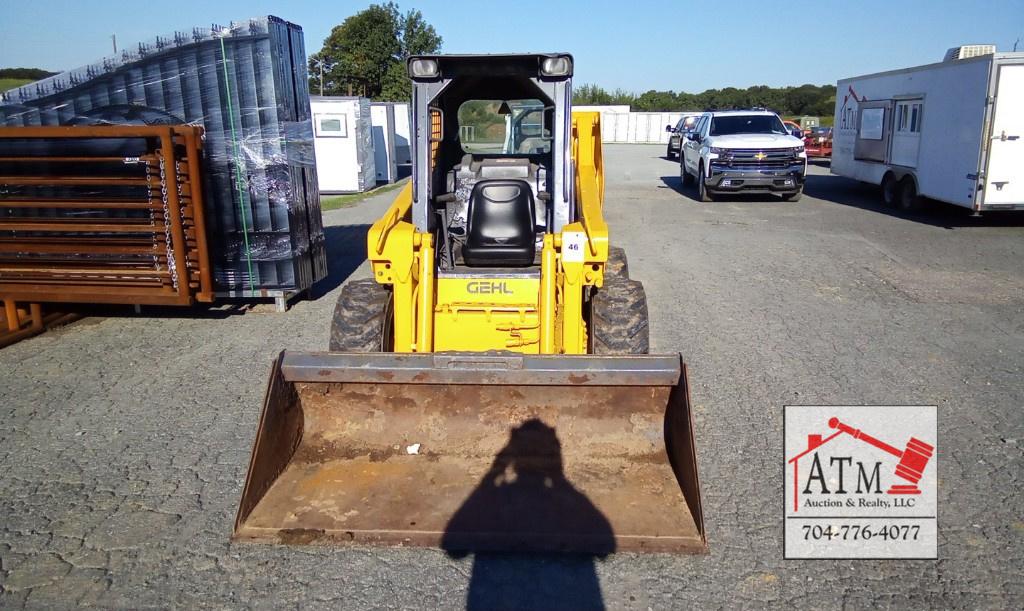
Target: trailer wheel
889,186
909,200
702,190
362,318
618,318
617,266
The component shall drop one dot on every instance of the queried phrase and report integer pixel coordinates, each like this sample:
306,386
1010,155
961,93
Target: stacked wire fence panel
246,84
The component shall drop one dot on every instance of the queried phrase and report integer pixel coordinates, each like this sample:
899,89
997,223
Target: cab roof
727,113
495,64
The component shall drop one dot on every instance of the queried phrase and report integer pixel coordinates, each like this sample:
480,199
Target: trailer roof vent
967,51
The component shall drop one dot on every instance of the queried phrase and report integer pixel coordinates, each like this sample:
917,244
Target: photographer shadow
525,503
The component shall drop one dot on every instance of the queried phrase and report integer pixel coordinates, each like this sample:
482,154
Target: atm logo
816,472
848,111
860,481
488,288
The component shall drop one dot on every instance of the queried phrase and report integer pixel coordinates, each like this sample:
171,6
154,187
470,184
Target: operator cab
490,131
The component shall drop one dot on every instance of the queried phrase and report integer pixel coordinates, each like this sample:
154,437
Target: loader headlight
556,66
424,68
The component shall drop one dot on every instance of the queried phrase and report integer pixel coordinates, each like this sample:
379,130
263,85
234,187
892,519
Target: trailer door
906,135
1004,177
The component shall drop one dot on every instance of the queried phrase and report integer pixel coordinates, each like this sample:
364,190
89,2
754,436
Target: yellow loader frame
477,314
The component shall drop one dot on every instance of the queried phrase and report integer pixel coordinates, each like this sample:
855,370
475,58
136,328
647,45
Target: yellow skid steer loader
489,388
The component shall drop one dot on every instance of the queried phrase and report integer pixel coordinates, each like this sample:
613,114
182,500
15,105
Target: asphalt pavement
124,439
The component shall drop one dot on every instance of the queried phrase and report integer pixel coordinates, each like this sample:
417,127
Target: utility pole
1015,43
113,39
321,77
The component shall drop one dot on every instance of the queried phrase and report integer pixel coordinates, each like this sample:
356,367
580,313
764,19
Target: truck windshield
503,127
746,124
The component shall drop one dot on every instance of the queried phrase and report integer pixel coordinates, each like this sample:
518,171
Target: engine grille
772,158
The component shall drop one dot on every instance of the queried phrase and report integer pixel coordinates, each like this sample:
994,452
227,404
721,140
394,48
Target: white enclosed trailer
343,144
403,150
382,115
951,131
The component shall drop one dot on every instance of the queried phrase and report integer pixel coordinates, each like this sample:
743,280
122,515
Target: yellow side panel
480,314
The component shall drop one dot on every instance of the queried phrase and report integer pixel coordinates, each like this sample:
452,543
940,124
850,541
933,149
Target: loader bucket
475,452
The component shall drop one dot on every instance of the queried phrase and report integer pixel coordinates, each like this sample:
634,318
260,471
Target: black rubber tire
617,266
669,153
684,176
618,318
361,317
889,189
906,196
702,189
793,197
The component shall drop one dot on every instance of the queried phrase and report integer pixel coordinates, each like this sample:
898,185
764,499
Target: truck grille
743,158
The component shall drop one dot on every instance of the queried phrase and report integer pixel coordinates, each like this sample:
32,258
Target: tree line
802,100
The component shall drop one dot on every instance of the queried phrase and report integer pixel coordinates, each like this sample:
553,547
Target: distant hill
16,77
29,74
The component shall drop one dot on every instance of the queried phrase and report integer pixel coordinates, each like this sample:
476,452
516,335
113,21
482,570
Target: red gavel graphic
913,459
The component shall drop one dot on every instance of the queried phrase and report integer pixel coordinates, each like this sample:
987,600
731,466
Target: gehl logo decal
488,288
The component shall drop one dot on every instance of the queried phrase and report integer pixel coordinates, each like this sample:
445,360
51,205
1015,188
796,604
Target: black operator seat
500,229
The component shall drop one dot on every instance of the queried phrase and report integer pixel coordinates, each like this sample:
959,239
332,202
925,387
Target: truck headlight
797,151
718,151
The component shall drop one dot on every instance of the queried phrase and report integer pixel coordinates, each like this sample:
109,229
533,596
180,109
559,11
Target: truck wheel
793,197
617,266
908,199
702,189
362,318
618,318
669,153
889,190
684,176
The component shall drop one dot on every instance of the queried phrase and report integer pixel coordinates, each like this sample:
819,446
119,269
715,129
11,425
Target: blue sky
689,46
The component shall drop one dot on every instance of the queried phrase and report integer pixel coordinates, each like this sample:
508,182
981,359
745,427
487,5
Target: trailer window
915,118
504,127
908,117
872,123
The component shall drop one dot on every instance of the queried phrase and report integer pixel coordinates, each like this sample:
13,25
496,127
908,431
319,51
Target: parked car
743,150
677,133
818,142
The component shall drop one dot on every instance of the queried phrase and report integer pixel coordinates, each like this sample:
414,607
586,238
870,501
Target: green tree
366,54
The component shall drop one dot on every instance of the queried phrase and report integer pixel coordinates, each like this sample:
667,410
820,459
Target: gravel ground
125,439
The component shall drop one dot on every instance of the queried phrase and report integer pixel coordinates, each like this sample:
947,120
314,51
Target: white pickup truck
743,150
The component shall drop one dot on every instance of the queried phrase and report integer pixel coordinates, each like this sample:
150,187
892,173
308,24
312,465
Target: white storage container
403,136
382,116
343,143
